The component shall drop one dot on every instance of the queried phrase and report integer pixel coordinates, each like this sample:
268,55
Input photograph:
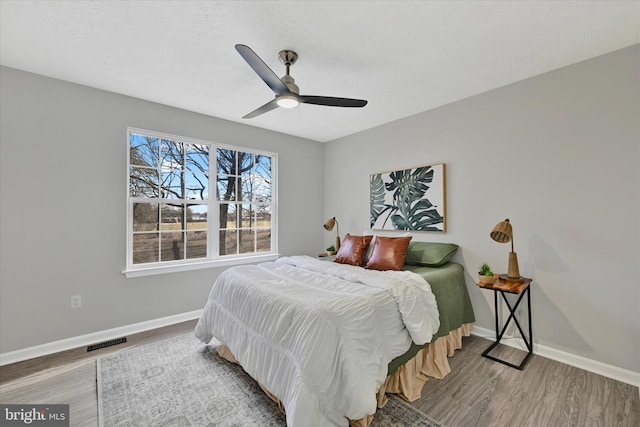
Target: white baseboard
93,338
623,375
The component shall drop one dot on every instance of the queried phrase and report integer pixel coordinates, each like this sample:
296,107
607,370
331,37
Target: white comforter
317,334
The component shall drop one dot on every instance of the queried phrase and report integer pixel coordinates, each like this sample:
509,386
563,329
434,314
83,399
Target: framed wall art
409,199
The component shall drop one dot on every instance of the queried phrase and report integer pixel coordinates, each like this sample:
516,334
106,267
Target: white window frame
212,259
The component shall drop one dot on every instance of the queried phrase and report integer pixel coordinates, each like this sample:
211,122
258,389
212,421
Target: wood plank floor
481,392
478,392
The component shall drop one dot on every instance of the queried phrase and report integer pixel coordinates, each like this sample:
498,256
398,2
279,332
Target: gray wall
559,155
62,212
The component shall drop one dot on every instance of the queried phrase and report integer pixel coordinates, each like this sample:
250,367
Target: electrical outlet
76,301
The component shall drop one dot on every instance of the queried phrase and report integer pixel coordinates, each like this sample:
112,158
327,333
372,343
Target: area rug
182,382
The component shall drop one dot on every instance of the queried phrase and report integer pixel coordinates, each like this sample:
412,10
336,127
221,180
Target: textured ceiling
403,57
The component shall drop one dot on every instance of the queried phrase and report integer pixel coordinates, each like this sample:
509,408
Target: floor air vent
106,344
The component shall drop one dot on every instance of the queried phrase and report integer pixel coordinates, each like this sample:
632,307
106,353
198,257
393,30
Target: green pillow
430,254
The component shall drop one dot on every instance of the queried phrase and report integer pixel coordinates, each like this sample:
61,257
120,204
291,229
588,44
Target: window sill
164,269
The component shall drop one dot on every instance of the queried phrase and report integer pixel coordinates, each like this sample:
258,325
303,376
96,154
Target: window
175,222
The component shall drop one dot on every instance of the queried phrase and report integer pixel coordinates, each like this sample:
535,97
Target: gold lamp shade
503,233
333,222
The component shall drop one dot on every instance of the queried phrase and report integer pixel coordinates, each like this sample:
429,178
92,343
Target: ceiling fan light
287,101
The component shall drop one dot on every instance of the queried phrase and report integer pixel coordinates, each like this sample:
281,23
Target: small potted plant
331,250
485,274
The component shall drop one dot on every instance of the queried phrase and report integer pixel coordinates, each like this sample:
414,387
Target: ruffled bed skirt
409,379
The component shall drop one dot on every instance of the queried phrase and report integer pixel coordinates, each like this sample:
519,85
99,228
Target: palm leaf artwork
377,198
404,198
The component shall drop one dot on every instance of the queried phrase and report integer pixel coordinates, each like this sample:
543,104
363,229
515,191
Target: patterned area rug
181,382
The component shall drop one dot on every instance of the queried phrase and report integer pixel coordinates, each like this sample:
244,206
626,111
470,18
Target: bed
328,340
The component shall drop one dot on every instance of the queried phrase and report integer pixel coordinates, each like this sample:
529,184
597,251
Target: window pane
172,181
228,215
197,217
226,161
247,243
245,161
261,190
255,189
196,244
263,215
143,182
197,158
143,150
172,153
244,189
145,247
263,240
171,217
226,188
197,186
247,217
172,246
262,167
145,216
228,242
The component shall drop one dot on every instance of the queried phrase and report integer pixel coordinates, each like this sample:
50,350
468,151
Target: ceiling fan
286,90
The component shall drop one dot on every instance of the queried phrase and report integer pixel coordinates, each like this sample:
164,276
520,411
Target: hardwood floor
70,377
478,392
481,392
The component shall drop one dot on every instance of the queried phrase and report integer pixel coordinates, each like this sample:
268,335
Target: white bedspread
318,335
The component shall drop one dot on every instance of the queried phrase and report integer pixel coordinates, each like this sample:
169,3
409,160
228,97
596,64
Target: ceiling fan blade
264,109
258,65
332,101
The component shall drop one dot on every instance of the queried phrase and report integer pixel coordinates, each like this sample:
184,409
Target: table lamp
503,233
332,222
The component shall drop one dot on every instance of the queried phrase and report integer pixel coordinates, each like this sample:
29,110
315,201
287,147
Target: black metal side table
521,288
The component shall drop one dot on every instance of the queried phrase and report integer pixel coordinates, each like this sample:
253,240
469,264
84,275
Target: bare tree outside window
169,186
244,188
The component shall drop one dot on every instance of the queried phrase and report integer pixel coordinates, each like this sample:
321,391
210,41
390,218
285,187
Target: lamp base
513,272
507,278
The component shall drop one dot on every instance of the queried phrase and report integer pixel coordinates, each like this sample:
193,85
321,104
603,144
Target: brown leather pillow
352,249
388,253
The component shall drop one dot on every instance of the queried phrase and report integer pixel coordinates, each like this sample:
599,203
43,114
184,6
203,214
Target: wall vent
106,344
